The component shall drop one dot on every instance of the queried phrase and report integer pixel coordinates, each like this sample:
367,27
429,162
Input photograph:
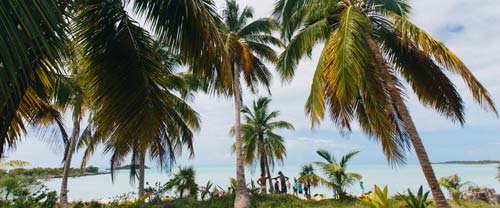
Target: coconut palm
367,44
247,45
184,182
309,177
141,112
260,141
13,163
70,95
32,44
337,177
35,36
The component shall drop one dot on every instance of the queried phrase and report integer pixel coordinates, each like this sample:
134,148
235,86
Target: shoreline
81,175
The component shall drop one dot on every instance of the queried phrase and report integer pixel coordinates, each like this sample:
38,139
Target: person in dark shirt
283,179
276,187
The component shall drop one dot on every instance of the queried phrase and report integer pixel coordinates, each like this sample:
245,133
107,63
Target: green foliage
368,47
183,182
26,193
259,136
336,175
264,201
92,169
44,172
417,201
379,199
453,184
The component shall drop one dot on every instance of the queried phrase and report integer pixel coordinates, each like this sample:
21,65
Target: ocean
398,180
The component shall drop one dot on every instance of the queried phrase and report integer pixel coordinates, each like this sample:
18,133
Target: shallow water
398,180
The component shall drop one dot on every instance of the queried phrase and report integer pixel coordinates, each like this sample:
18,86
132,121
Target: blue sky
469,28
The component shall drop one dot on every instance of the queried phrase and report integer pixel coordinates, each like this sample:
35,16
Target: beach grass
287,201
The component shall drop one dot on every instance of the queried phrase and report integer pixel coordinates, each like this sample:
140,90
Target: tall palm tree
184,181
260,143
336,173
70,95
247,45
139,112
367,43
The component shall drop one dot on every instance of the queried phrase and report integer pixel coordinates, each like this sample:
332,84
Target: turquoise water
398,180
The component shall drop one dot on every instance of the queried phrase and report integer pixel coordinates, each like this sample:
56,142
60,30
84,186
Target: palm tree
32,45
71,96
13,163
134,90
246,45
337,177
367,43
184,182
309,177
260,143
35,41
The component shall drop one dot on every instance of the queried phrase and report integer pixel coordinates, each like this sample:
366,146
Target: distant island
127,167
47,173
478,162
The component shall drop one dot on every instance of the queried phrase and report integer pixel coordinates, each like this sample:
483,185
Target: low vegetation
269,201
42,173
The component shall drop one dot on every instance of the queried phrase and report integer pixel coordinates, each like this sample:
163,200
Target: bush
92,169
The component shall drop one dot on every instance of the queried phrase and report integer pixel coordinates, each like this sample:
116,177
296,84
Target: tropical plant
454,185
379,199
309,177
136,106
34,38
260,142
336,175
183,182
247,45
367,44
205,191
13,163
416,201
70,95
34,44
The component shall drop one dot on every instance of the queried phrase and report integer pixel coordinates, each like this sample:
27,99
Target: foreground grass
287,201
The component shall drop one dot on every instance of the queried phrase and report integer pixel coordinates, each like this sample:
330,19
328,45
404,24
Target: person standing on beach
262,182
307,189
276,187
295,185
288,186
283,179
362,186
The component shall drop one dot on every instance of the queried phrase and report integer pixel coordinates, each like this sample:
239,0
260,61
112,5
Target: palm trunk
262,164
416,141
242,199
268,172
141,173
67,162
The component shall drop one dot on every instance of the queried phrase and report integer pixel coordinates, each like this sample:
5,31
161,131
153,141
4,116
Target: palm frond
412,34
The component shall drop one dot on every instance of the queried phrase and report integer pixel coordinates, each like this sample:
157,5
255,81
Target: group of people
283,185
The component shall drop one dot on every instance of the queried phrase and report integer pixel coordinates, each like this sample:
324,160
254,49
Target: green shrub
417,201
92,169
